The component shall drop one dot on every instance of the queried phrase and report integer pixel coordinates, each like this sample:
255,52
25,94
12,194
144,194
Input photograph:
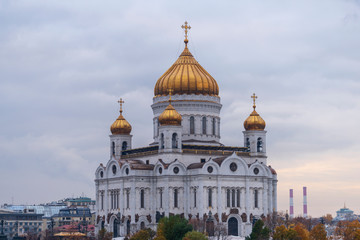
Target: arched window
213,126
204,125
210,198
124,146
192,125
142,225
175,198
142,200
174,141
228,198
238,198
113,148
259,145
161,141
247,143
233,198
256,203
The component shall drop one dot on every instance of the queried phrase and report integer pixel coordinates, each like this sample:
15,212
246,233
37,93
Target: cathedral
186,170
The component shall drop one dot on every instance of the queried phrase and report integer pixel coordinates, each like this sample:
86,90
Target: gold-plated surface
186,76
254,121
170,116
121,126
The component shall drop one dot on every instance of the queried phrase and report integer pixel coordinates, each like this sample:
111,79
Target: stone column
270,196
247,197
275,195
201,199
133,201
265,199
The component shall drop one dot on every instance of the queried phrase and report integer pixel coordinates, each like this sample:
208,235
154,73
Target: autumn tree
144,234
348,230
318,232
302,232
259,231
193,235
104,235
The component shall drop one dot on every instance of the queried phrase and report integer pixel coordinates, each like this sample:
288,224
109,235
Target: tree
259,232
172,228
144,234
318,232
104,235
301,231
280,233
193,235
348,230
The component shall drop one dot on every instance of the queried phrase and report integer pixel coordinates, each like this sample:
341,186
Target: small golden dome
170,116
121,126
254,121
186,76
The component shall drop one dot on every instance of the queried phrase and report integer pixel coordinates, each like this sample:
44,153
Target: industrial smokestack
305,203
291,203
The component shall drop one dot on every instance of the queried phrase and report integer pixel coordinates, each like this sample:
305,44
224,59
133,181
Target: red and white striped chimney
305,213
291,203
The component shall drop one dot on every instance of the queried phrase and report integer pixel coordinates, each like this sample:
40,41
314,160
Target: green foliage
145,234
173,228
104,235
193,235
259,232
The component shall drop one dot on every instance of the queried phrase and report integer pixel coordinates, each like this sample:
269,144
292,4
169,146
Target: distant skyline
64,65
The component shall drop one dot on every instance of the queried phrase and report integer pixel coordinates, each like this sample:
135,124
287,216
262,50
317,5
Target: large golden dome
186,76
254,121
170,116
121,126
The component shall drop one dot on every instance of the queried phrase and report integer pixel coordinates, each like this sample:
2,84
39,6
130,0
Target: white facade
185,171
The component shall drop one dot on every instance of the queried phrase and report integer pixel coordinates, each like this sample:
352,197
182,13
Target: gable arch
98,170
241,166
181,166
214,165
262,169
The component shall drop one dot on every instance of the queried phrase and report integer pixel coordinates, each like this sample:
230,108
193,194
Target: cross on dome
186,27
254,97
121,103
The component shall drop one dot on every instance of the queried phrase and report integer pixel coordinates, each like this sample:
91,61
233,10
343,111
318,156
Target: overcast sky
64,64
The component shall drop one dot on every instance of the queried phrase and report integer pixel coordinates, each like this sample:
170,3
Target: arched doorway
116,228
128,227
233,227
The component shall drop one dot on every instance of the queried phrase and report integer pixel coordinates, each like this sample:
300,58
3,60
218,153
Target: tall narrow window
142,196
210,198
259,145
204,125
175,198
213,126
194,197
192,125
111,200
247,144
162,141
117,199
124,146
113,148
102,200
174,141
233,198
256,204
238,198
161,196
127,198
228,197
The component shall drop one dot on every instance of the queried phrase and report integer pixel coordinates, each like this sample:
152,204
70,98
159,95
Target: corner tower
195,97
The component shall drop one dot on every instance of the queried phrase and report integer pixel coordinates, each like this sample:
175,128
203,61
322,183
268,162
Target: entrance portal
233,227
116,228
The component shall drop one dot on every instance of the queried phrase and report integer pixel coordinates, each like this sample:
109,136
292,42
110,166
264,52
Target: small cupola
121,126
254,121
170,116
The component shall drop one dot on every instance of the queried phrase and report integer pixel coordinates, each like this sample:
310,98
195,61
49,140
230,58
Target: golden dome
170,116
254,121
186,76
121,126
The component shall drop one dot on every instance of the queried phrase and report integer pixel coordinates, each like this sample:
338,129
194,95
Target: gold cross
170,90
186,28
254,97
121,103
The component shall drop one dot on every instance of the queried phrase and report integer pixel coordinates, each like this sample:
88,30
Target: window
142,225
114,169
102,200
210,198
161,141
192,125
228,198
256,198
247,143
124,146
204,125
194,197
113,148
238,198
175,198
142,196
213,126
127,198
174,141
259,145
233,198
161,198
